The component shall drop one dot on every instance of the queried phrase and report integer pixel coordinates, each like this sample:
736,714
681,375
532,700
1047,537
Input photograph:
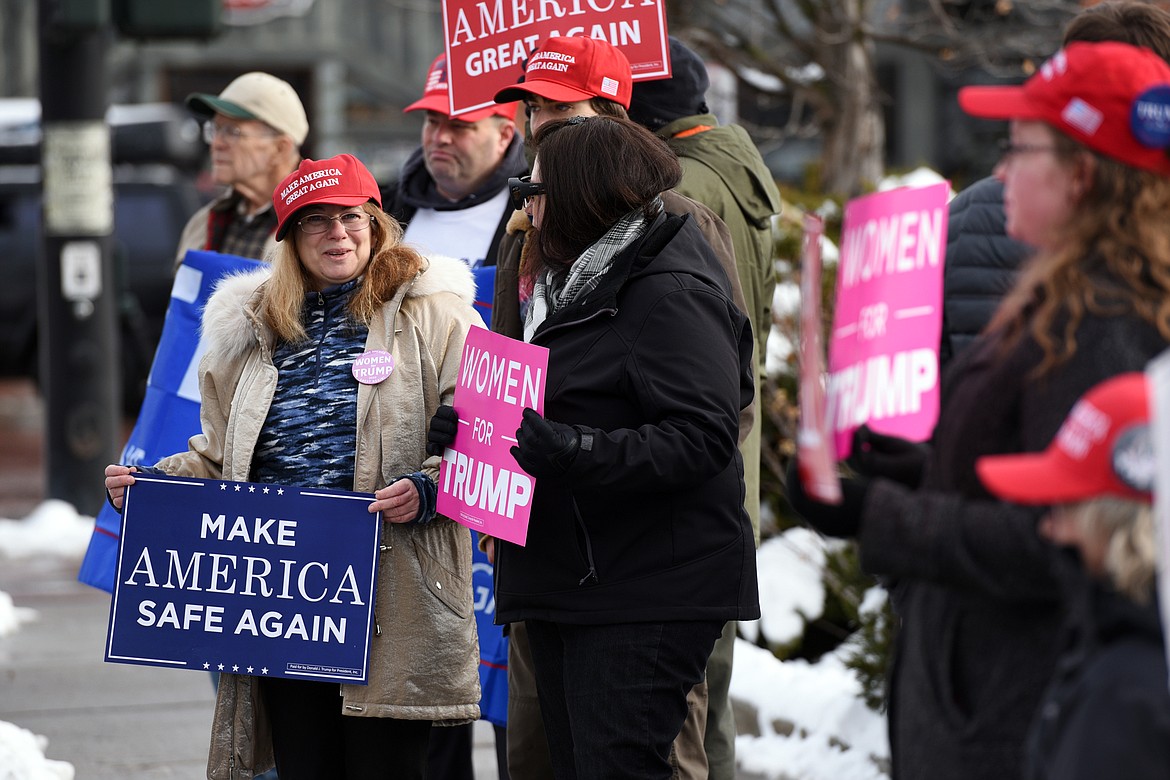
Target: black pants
314,741
451,752
614,697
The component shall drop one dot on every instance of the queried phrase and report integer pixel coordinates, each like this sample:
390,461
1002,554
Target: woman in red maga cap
282,403
1106,712
977,590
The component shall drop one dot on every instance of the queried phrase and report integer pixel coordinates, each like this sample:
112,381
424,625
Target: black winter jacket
648,524
975,586
1107,712
980,267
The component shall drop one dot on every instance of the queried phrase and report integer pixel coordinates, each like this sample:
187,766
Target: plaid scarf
553,291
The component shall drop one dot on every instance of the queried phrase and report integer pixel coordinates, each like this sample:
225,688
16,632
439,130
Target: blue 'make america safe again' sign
247,578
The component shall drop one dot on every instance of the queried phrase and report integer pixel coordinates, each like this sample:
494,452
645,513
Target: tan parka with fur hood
424,657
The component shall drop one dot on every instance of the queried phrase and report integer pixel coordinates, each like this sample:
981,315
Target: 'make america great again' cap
435,97
574,68
1112,97
339,181
1102,449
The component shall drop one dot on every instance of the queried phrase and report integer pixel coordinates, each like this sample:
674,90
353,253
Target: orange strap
694,131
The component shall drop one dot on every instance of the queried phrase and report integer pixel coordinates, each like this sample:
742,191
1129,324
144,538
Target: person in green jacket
723,170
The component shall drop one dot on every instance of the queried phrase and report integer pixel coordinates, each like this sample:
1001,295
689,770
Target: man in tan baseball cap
255,128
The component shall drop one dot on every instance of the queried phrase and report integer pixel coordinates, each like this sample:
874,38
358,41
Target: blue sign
170,411
493,645
485,285
246,578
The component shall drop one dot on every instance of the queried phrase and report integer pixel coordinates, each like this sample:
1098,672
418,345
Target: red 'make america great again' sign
487,41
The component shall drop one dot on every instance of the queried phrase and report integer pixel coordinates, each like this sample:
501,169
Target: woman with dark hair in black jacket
638,547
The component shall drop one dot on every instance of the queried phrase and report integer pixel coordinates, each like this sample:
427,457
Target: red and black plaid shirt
230,232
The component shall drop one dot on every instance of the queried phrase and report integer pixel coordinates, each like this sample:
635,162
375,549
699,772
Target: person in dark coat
451,197
596,80
975,587
639,548
1107,711
981,265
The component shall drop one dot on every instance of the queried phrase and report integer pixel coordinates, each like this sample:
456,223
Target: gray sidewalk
111,721
108,720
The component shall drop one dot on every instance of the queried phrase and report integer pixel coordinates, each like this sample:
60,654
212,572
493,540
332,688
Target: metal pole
76,298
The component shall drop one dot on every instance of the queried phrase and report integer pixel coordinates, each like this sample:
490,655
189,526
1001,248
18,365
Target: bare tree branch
782,38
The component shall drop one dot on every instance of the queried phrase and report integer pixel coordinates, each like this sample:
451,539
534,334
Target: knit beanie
657,103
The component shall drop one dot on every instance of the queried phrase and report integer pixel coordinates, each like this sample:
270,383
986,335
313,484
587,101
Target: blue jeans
614,697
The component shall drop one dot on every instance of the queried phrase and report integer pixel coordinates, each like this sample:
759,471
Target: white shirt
465,233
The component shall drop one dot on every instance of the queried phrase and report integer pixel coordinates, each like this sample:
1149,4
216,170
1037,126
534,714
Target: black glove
545,448
840,520
878,455
441,434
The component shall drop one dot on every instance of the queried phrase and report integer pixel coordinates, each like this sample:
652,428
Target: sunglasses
523,189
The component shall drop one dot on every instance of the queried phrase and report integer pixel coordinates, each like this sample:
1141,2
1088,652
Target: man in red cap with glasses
452,195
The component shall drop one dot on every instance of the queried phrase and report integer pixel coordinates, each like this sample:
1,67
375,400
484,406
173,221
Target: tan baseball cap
257,95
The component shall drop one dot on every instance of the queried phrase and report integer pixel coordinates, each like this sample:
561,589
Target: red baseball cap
339,181
574,68
435,97
1102,449
1112,97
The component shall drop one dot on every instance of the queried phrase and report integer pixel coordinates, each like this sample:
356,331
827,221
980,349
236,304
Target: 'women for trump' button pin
372,367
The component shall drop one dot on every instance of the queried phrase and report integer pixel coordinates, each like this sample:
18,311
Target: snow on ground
54,528
812,722
22,756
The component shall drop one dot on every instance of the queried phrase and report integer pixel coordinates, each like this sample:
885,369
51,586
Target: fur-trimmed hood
229,324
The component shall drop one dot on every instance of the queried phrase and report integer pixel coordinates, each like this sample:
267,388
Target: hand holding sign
841,518
398,502
441,434
479,483
877,455
118,478
545,448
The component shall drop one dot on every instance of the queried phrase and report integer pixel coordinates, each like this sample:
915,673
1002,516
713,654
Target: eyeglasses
523,189
352,221
230,133
1007,149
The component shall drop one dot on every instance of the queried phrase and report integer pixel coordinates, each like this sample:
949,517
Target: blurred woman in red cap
1107,711
1087,182
281,404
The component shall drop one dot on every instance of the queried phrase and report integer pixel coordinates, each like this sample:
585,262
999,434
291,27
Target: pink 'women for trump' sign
883,353
480,484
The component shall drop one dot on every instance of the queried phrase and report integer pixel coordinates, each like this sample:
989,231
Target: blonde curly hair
1126,529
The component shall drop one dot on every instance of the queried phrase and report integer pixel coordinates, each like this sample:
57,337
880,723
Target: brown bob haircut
595,171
